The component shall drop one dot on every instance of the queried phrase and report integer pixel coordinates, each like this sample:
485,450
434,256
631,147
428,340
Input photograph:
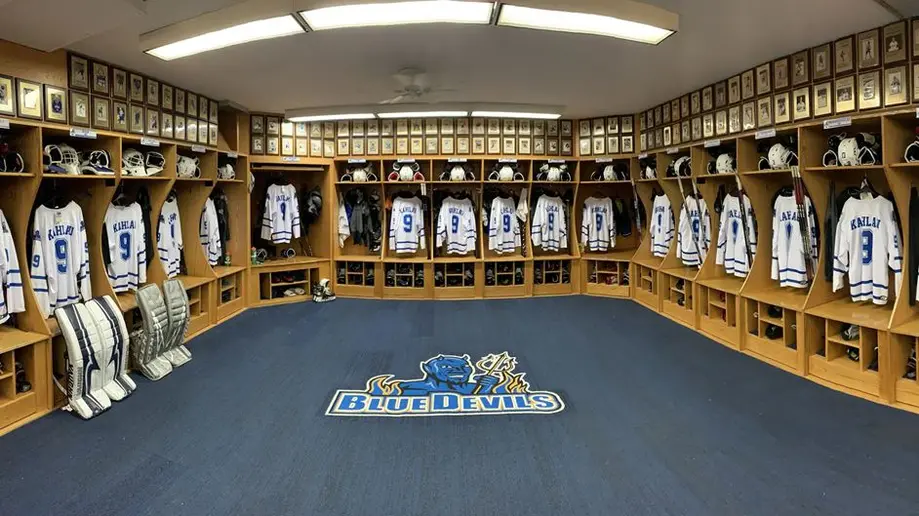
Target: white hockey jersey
789,264
598,231
503,229
661,226
11,298
127,251
549,227
867,243
456,226
60,258
406,226
209,233
169,238
731,252
694,234
281,220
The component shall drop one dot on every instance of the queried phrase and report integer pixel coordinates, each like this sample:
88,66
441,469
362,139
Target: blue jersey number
124,243
60,253
551,221
407,223
507,223
454,222
283,208
867,247
599,222
695,228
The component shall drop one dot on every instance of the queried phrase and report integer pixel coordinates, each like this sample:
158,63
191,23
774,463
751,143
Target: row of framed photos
868,50
101,79
414,145
605,126
865,91
269,125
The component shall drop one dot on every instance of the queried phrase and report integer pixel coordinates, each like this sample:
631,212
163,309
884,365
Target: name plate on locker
198,148
232,155
643,156
765,133
405,160
835,123
507,160
456,160
604,160
290,159
5,124
712,143
149,142
556,162
357,161
673,150
79,132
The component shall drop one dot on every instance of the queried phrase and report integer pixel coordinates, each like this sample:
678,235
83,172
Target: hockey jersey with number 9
867,243
598,231
456,226
60,258
503,229
11,298
406,226
127,252
549,227
281,220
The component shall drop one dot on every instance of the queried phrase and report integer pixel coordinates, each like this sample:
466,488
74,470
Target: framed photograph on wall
668,137
628,145
178,101
30,99
204,108
665,113
627,124
258,124
136,88
800,68
895,42
780,72
599,146
343,149
843,55
823,99
478,145
707,101
685,131
101,85
915,82
721,94
708,125
734,119
749,116
120,117
80,110
55,104
357,146
316,147
430,126
584,147
721,123
845,94
478,126
302,147
7,96
566,148
822,61
675,109
152,126
373,146
734,90
78,72
599,127
781,112
869,54
153,92
747,87
386,127
179,131
612,125
402,146
510,146
167,126
258,142
869,90
167,98
191,135
102,113
764,112
684,106
895,82
191,106
696,128
328,148
915,39
695,102
763,79
801,99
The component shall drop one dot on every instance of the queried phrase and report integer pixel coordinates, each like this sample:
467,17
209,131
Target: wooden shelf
193,281
193,179
729,284
13,338
910,328
286,283
868,315
839,340
147,178
407,259
617,182
296,260
359,258
456,259
834,169
358,183
16,174
80,177
508,258
226,270
914,164
788,298
687,273
651,262
284,300
622,255
766,171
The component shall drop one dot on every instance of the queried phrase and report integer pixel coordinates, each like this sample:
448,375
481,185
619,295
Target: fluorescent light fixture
398,13
235,35
323,118
423,114
514,114
566,21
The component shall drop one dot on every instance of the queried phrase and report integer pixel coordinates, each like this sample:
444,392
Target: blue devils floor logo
451,386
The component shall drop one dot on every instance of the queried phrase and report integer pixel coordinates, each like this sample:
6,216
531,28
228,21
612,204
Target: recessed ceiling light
423,114
398,13
235,35
516,114
597,24
322,118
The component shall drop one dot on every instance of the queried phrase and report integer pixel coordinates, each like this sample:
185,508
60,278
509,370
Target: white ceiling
589,75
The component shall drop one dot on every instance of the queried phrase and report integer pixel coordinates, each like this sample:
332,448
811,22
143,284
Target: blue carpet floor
659,420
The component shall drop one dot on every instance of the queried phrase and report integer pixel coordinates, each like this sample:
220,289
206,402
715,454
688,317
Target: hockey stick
804,223
694,236
741,193
637,209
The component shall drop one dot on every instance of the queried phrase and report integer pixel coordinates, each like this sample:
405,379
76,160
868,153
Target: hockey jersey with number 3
11,298
661,226
406,226
456,226
788,257
60,258
867,243
549,227
598,232
503,229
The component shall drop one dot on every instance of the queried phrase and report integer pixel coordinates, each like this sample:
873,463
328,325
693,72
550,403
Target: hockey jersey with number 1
209,233
732,249
406,226
169,238
598,232
661,226
11,298
503,229
456,226
789,264
867,243
60,258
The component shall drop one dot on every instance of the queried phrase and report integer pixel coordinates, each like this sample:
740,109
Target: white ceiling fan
415,84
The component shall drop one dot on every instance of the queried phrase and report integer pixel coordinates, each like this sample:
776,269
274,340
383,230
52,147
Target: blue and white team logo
450,386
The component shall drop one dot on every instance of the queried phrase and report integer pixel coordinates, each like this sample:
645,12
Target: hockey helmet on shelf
912,150
456,172
226,172
681,166
12,162
61,159
553,172
505,172
778,157
406,171
861,149
724,163
188,167
132,163
648,167
154,163
99,162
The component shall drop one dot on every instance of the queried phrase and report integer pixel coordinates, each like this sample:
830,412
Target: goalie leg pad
149,342
111,325
85,361
179,313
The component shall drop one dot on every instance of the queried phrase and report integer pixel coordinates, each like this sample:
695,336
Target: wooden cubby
781,350
829,360
553,277
605,277
507,278
458,279
358,279
405,279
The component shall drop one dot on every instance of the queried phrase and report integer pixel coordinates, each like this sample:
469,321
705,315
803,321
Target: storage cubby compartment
646,287
552,277
607,277
288,285
771,333
506,278
455,280
900,132
395,166
442,169
230,299
522,169
26,141
405,275
19,377
199,302
816,143
848,358
750,149
678,298
903,350
357,279
719,314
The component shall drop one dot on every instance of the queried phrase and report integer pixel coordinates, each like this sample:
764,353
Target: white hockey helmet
862,149
778,157
457,173
609,173
226,172
154,163
912,152
682,167
725,164
99,163
188,167
132,163
61,159
12,162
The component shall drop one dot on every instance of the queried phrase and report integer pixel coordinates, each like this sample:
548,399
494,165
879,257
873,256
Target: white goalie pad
179,314
87,357
149,342
110,322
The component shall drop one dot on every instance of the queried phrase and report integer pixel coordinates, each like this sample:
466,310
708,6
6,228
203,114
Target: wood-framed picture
781,112
612,144
915,40
417,145
612,125
29,95
257,124
643,141
675,109
509,146
721,123
314,130
79,108
56,104
373,128
552,128
416,126
493,145
780,73
373,146
599,127
895,49
524,145
462,126
684,106
721,94
178,101
747,85
823,99
895,86
675,134
180,133
152,126
801,99
915,82
478,126
695,129
668,136
402,145
258,143
102,113
213,109
685,131
523,128
138,95
822,61
764,112
303,147
665,113
328,148
153,92
357,129
734,119
316,147
566,128
302,129
843,55
202,131
78,72
7,96
167,125
695,102
344,147
748,121
273,147
101,84
119,84
191,134
708,101
120,116
386,127
845,94
566,147
626,124
273,126
763,79
628,144
800,68
539,146
136,120
287,146
191,105
203,108
402,127
167,97
344,129
584,147
583,128
539,128
869,54
328,133
870,90
478,144
708,125
734,90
